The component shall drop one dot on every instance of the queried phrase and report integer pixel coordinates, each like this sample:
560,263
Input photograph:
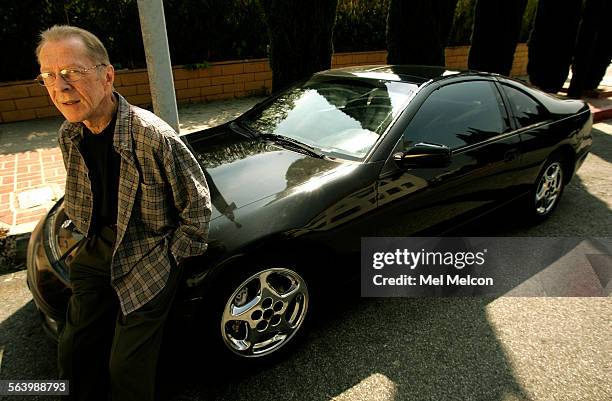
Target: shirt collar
121,137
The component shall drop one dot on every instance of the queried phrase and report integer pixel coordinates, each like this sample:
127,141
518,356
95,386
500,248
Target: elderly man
140,198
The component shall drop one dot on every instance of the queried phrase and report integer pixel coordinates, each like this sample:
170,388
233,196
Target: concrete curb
22,245
600,114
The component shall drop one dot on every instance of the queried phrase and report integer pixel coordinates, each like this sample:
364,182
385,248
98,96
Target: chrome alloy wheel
549,188
264,312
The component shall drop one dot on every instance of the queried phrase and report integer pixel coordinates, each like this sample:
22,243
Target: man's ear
109,74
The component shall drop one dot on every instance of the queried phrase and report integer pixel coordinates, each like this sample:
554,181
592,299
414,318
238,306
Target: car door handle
511,155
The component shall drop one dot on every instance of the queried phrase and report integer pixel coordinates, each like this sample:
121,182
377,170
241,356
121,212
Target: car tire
258,314
547,189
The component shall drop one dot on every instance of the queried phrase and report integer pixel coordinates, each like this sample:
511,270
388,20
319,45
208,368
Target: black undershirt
103,164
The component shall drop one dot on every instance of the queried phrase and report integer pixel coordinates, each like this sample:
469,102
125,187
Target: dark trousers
100,349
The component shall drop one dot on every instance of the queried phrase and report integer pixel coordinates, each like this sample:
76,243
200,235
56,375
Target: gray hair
94,47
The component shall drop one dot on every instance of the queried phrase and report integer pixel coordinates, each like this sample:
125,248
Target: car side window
457,115
526,110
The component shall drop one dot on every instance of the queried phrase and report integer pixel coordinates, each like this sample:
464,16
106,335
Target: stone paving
32,173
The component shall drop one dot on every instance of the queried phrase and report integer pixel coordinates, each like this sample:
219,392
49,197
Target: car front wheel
263,312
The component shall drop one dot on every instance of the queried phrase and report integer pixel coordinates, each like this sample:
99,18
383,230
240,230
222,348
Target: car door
538,135
470,118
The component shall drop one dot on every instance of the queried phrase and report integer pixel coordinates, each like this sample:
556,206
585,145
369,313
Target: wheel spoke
283,326
253,336
235,311
266,288
292,292
541,193
553,174
554,183
291,296
299,305
262,346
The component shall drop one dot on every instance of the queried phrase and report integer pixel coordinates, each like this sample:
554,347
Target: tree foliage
497,25
463,23
593,48
360,25
550,48
417,31
528,20
300,38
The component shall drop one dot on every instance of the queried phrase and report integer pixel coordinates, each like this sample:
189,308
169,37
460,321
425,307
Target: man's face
78,101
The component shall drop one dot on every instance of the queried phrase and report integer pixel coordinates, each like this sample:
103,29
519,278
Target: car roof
415,74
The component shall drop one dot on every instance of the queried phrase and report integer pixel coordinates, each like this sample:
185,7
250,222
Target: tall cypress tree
300,34
497,25
551,48
417,31
593,48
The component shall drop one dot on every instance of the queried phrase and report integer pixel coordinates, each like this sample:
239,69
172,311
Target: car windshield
338,117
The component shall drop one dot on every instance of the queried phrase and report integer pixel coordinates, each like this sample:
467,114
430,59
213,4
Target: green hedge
198,30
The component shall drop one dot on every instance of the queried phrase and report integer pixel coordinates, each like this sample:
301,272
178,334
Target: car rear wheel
262,312
547,189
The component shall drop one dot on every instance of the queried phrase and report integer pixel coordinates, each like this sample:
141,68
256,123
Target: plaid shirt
163,201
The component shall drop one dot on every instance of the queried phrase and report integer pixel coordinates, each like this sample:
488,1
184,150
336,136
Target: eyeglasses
67,74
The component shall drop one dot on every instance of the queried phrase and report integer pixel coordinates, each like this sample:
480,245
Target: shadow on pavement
602,145
28,352
28,136
579,214
427,348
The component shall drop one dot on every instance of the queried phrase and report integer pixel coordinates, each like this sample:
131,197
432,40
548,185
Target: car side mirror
423,154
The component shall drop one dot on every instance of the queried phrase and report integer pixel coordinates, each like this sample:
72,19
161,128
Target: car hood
241,170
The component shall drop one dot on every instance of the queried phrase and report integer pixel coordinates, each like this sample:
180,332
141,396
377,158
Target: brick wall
457,57
26,100
222,80
519,64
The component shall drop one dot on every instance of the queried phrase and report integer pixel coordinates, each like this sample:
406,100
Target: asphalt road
502,349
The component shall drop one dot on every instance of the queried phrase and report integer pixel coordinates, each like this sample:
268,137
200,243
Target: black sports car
364,151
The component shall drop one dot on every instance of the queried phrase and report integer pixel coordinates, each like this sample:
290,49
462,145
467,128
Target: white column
157,52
